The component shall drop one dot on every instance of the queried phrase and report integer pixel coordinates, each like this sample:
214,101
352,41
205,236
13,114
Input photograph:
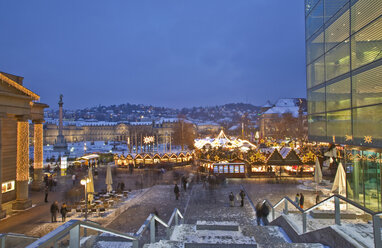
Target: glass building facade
344,87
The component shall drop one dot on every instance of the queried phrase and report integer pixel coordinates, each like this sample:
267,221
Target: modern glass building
344,88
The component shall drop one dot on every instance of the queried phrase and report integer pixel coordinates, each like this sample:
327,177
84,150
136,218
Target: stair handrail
337,212
3,237
72,227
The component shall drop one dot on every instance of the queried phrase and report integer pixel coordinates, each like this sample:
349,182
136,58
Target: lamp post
85,183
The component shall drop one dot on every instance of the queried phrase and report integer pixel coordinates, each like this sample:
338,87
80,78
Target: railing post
152,230
377,231
136,243
273,214
74,233
2,241
337,210
176,219
168,232
304,222
285,206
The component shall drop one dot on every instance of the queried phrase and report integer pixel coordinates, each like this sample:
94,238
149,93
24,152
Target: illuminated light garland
22,160
368,139
149,139
20,87
222,141
38,146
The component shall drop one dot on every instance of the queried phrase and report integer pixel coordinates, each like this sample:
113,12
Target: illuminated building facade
344,88
18,110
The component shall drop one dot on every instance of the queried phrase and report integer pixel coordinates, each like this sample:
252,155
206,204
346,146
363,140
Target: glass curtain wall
363,175
344,71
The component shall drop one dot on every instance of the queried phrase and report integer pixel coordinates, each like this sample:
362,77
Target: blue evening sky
177,53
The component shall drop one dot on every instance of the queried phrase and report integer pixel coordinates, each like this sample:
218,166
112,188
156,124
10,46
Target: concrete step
217,225
206,245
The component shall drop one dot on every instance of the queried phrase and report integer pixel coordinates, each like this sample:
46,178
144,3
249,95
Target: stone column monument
60,141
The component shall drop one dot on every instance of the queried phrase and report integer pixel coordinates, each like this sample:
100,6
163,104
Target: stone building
110,131
18,110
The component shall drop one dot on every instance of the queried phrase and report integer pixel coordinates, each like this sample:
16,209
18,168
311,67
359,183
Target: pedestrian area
202,217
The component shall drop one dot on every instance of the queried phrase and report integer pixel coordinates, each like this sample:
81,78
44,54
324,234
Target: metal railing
5,236
72,228
337,213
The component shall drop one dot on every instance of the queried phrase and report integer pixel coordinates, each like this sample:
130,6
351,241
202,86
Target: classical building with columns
18,110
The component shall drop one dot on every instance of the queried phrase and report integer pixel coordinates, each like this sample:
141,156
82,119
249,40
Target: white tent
317,172
90,186
109,179
340,180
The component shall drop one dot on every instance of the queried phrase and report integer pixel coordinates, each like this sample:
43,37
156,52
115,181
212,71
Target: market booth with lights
229,169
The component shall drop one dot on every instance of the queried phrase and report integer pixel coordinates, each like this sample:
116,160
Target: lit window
7,186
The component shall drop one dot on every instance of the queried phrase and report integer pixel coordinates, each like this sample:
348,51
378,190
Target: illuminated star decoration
368,139
216,158
252,158
348,137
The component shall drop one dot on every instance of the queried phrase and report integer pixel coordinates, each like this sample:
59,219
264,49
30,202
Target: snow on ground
188,233
361,232
110,215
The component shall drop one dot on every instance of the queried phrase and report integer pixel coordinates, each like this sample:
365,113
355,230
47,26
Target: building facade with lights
344,88
19,109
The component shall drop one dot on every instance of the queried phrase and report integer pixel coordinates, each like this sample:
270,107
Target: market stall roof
275,158
91,156
292,158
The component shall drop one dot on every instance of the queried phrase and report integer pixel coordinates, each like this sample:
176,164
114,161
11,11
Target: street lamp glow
85,181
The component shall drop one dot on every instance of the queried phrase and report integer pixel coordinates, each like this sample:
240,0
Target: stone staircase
209,234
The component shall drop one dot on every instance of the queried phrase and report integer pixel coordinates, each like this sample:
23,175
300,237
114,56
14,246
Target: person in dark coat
64,211
184,181
242,195
176,191
258,213
122,186
231,200
301,200
54,211
46,193
264,214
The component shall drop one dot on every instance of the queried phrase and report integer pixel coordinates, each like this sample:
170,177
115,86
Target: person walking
258,213
297,199
231,200
46,193
176,191
64,210
264,214
74,179
301,200
184,181
317,198
54,211
242,195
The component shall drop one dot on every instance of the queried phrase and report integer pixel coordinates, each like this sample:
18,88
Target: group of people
240,196
55,209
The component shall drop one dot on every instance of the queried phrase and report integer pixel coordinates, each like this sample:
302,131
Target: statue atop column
60,141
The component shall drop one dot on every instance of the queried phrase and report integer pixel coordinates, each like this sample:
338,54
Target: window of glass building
309,5
363,12
367,122
315,47
317,125
315,19
316,100
363,178
367,44
337,60
367,87
337,31
315,72
339,124
338,95
332,7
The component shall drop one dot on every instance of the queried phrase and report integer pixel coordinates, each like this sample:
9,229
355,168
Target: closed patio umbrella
317,172
90,186
340,180
109,179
